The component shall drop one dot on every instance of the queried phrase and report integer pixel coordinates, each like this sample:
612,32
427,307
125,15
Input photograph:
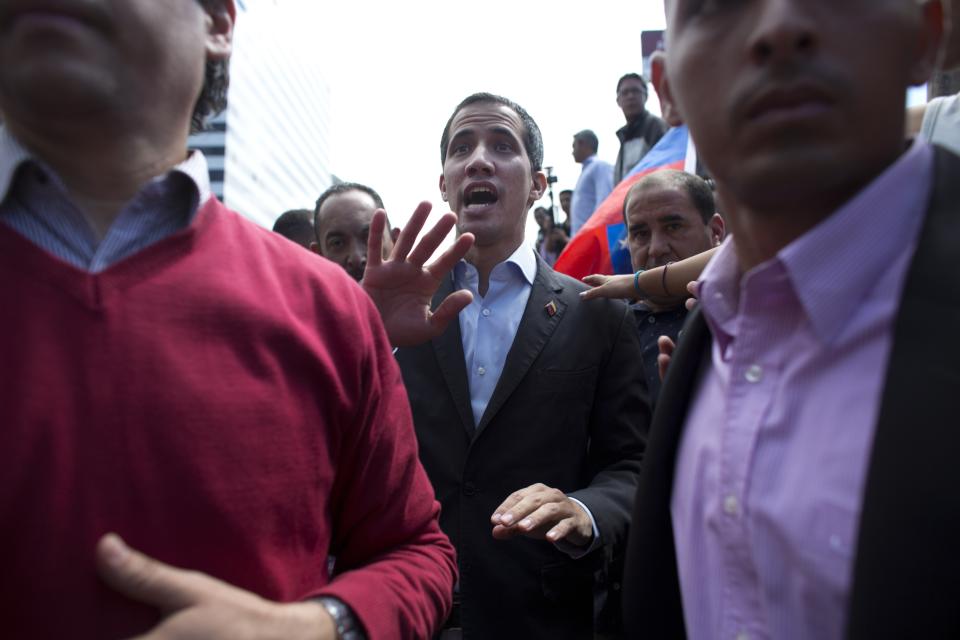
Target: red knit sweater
226,402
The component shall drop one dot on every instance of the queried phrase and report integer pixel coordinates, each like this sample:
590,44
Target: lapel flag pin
551,308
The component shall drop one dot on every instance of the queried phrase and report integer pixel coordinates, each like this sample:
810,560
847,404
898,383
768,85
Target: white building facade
270,151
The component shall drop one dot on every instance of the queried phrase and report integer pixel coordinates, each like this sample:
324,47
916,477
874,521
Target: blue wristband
636,283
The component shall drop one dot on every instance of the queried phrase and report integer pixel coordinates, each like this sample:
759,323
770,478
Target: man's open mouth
480,195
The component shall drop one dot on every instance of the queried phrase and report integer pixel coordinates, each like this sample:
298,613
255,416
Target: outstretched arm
401,286
651,283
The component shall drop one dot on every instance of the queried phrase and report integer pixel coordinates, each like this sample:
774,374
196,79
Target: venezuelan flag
601,245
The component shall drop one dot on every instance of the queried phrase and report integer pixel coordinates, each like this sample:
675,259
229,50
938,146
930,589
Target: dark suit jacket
906,574
569,411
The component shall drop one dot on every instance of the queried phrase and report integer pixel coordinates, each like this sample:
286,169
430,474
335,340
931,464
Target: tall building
270,151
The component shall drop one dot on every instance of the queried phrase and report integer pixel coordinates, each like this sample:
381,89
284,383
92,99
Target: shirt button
731,505
652,320
754,374
481,371
486,313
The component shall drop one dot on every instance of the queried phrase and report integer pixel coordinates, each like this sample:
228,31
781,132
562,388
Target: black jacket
569,411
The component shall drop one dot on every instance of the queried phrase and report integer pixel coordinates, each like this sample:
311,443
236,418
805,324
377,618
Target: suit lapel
448,347
536,327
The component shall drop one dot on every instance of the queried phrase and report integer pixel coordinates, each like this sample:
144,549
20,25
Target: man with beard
178,375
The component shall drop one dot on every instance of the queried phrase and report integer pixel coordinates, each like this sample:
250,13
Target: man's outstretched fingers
449,258
375,239
452,305
432,239
146,580
408,235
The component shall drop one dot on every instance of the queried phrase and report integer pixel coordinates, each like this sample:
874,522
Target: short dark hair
532,139
631,76
697,189
570,191
589,137
296,225
337,189
216,81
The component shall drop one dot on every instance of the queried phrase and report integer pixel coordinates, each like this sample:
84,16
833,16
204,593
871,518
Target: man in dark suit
530,411
801,476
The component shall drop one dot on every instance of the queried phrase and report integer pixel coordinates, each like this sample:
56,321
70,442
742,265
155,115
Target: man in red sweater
177,376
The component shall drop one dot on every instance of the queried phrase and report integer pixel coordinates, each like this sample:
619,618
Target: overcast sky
397,70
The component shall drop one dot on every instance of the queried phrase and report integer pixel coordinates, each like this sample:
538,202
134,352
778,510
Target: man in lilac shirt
801,475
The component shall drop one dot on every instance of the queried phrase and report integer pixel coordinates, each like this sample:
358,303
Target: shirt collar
523,262
633,128
834,265
586,163
13,154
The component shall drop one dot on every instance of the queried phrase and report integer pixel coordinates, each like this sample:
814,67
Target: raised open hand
402,287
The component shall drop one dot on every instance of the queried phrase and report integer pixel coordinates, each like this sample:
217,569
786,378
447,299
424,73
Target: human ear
538,186
717,229
658,65
443,188
220,20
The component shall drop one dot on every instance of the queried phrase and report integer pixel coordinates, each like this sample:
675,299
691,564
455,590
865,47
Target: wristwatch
343,619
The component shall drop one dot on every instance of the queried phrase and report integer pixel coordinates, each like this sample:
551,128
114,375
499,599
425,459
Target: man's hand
402,287
693,288
666,347
195,605
543,513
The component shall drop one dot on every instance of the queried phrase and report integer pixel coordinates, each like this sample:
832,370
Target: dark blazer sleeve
619,423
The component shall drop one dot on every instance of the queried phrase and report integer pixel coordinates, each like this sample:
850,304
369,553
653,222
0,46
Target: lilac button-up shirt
772,463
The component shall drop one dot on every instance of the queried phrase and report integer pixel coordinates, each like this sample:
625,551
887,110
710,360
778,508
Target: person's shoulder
657,124
287,263
598,167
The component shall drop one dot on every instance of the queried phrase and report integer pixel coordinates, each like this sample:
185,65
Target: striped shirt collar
13,155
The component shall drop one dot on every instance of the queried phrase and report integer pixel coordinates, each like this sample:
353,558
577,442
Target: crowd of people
210,432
